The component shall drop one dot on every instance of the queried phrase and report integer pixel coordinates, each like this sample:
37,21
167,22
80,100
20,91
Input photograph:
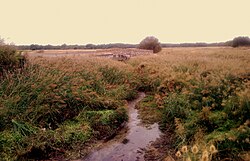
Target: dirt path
131,146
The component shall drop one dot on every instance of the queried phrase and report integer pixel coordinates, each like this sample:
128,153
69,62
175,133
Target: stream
130,146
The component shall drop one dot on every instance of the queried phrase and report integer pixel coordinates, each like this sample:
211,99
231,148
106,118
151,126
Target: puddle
131,146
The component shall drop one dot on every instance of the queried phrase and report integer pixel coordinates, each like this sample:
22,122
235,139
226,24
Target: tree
150,43
90,46
241,41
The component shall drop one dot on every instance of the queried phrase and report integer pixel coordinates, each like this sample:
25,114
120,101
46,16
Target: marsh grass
41,107
203,91
58,106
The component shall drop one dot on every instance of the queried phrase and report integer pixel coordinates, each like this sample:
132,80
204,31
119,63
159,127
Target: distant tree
241,41
48,47
150,43
64,46
228,43
90,46
36,47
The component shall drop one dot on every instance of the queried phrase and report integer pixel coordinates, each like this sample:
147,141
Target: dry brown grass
196,60
210,73
108,83
89,52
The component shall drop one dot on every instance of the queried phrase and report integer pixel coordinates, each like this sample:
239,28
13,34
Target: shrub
7,57
150,43
10,59
241,41
218,112
47,110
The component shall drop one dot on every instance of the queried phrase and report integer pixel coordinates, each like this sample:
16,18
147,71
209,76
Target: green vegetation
217,111
204,98
241,41
52,108
10,59
58,106
150,43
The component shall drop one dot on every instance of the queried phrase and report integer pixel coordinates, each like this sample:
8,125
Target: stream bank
131,145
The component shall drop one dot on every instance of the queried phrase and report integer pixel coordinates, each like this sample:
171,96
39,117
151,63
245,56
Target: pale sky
122,21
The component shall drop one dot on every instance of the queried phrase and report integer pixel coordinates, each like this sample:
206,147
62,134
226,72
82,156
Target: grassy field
203,96
61,106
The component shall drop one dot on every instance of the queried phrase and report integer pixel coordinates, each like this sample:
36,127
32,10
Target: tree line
236,42
108,46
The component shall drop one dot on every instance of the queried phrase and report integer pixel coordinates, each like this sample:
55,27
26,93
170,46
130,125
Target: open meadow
62,106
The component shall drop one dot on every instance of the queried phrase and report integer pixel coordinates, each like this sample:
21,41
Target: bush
10,59
241,41
150,43
49,110
218,112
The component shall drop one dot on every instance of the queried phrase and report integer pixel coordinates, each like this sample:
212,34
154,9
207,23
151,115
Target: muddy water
129,147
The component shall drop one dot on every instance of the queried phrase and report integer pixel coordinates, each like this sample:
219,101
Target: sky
122,21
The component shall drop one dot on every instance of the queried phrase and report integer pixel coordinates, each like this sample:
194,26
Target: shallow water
130,147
